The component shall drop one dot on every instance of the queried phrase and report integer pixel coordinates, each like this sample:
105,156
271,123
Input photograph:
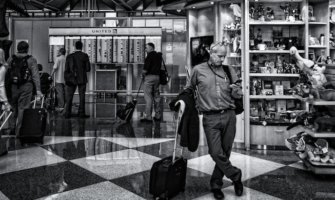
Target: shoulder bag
164,77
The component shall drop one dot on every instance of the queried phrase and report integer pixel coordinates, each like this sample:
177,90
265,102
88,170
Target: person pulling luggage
21,77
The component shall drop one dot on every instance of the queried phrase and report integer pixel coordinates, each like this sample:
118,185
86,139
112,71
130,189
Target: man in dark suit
76,66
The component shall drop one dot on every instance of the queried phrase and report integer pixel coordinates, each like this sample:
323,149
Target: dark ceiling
117,5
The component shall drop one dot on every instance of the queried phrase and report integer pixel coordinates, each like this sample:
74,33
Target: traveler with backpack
21,77
76,66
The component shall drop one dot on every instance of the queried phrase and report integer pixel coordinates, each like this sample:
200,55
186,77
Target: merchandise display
273,73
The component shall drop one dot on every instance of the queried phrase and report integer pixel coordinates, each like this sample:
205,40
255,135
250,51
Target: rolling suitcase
126,113
33,125
168,176
4,141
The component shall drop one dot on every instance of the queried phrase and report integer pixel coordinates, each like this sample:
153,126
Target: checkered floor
101,159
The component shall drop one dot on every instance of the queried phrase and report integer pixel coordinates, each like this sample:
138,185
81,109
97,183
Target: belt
213,112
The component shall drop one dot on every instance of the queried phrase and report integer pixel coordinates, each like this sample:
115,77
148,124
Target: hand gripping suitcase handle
4,122
35,100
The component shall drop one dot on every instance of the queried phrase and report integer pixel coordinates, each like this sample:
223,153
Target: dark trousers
152,96
220,131
60,91
69,92
21,100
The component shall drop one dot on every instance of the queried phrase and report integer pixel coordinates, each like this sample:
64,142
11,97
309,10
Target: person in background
215,101
58,71
45,79
150,76
77,64
21,77
3,68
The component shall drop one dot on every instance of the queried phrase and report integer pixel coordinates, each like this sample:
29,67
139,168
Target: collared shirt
59,68
214,92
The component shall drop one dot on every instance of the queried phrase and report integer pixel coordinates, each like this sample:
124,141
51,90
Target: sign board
102,31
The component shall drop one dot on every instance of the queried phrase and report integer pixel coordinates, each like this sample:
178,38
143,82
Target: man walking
216,103
76,66
20,77
150,75
58,71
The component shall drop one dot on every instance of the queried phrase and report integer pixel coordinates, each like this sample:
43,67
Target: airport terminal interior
284,143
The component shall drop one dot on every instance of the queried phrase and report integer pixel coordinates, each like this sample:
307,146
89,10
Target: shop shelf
322,103
317,47
273,51
275,75
317,167
319,135
317,23
226,29
272,97
276,22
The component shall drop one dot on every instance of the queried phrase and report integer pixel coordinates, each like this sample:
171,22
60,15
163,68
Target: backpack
18,73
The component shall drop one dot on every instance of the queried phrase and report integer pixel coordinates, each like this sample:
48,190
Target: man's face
218,55
148,48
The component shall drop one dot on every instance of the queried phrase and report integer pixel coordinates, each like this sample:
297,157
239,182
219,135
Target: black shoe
83,116
146,120
238,185
218,194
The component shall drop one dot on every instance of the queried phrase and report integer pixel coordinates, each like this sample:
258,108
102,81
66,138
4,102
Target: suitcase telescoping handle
181,109
7,118
138,91
35,100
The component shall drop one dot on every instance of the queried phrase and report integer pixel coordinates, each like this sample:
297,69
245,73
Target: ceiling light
212,2
179,10
193,7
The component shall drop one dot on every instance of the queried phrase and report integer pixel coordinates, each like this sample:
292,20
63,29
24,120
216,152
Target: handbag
70,76
164,77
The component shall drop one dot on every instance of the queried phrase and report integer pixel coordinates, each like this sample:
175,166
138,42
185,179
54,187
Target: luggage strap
35,100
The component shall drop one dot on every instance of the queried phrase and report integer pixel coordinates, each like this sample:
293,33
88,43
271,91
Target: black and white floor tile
102,159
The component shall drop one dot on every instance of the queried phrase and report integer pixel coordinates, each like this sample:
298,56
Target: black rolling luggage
4,141
126,113
33,124
168,176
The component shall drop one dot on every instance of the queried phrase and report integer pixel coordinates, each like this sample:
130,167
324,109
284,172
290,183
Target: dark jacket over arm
189,125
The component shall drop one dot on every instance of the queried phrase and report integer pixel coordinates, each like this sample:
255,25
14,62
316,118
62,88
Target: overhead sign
102,31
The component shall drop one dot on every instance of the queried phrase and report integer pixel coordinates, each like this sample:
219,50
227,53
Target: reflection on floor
102,158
